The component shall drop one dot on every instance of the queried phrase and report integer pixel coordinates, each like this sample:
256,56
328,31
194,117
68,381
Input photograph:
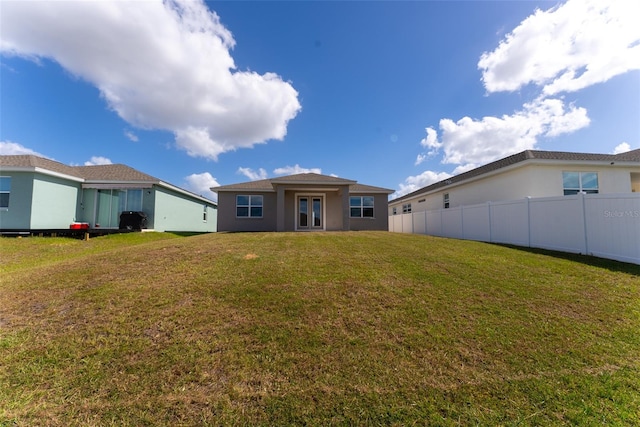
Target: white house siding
533,180
177,212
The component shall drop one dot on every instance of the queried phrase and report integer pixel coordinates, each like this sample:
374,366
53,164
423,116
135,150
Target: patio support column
346,223
280,214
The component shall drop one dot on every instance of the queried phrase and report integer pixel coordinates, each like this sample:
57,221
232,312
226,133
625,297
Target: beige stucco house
530,173
302,202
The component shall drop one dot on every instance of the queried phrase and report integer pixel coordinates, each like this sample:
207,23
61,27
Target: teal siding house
42,194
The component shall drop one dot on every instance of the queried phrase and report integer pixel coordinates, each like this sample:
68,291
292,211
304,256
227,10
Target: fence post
584,222
413,228
528,199
490,227
426,230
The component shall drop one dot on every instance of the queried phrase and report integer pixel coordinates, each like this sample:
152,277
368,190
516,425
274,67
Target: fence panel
510,222
419,225
452,222
557,223
613,226
434,223
475,223
603,225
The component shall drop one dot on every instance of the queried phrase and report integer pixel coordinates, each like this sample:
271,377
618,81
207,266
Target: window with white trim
204,213
248,206
445,200
395,210
5,191
361,206
406,208
579,182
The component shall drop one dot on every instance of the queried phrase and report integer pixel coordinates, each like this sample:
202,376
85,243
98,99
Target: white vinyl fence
603,225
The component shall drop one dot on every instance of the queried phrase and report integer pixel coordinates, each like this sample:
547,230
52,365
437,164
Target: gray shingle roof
629,156
303,178
117,172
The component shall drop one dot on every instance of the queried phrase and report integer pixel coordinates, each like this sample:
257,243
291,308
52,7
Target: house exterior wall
86,209
334,219
176,212
533,180
227,220
18,215
39,201
54,202
380,220
332,208
335,210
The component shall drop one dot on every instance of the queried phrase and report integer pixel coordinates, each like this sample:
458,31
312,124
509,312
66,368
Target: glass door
108,208
310,213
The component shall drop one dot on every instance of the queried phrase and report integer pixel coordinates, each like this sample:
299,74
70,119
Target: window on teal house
5,191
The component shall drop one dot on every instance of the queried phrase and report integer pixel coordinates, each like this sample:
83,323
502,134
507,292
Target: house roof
104,174
117,172
527,155
302,178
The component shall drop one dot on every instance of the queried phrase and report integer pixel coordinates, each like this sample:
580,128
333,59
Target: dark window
5,191
361,206
248,206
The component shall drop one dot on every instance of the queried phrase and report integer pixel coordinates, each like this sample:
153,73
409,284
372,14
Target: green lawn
349,328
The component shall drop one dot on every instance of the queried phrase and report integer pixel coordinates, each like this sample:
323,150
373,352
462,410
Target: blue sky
392,94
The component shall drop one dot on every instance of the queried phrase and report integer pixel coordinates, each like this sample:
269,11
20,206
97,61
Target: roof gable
116,173
29,161
311,178
302,179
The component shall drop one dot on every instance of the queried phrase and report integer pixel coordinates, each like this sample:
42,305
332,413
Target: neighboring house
302,202
530,173
42,194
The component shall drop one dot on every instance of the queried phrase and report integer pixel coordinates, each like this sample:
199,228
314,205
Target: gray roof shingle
109,173
303,178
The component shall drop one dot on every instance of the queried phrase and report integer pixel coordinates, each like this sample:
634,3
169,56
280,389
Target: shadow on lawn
612,265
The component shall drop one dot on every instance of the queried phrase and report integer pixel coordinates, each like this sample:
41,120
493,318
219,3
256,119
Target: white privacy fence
603,225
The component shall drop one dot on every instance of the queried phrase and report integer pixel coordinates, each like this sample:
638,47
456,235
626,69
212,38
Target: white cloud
98,160
566,48
414,183
159,65
253,175
470,141
131,136
431,143
292,170
8,148
201,183
622,148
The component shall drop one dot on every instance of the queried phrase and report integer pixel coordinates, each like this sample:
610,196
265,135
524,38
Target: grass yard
350,328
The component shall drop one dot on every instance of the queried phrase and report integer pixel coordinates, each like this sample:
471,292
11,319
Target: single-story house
41,194
530,173
302,202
